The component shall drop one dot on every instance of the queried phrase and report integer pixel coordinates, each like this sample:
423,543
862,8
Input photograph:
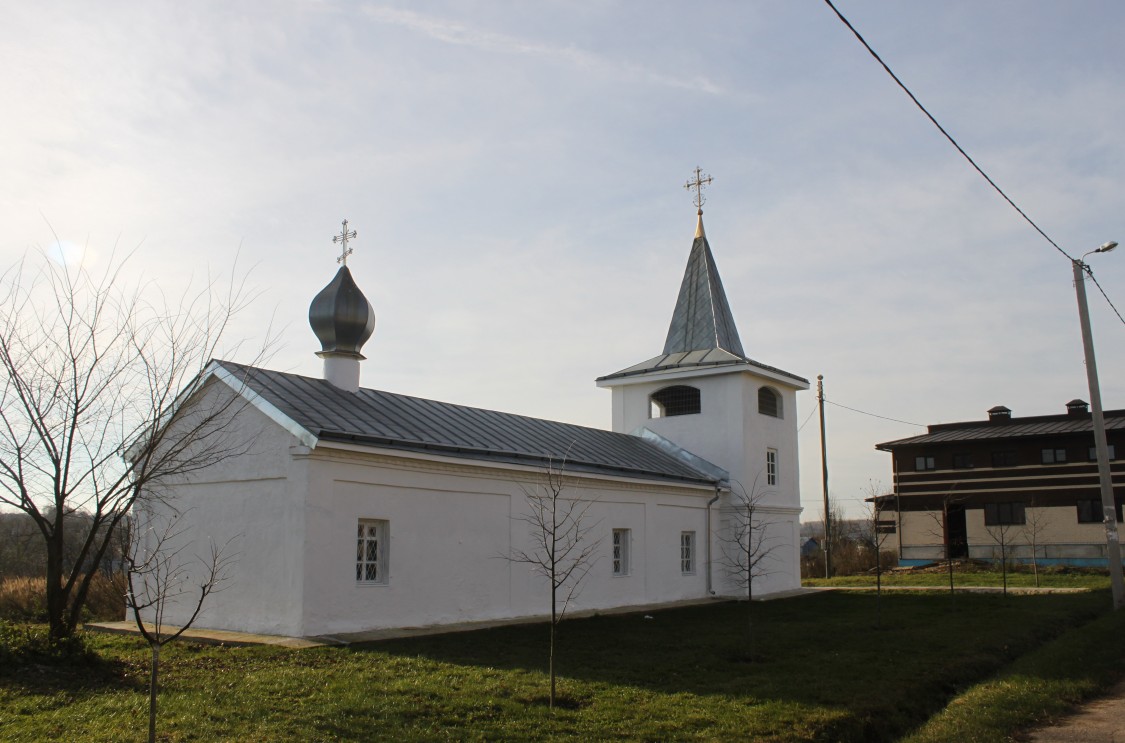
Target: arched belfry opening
680,399
769,402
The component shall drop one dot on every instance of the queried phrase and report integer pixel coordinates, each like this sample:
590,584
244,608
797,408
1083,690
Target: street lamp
1109,510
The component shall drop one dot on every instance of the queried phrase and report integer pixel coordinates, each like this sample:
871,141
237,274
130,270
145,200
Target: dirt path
1099,721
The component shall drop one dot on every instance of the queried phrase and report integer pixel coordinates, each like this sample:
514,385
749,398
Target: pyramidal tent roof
702,333
316,410
702,319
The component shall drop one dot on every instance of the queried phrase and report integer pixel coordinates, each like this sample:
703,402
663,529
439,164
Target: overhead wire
960,149
941,129
873,415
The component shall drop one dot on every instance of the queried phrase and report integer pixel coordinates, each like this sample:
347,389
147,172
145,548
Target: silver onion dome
341,317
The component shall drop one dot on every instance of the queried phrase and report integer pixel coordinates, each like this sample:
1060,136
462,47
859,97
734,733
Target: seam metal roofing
386,419
1042,426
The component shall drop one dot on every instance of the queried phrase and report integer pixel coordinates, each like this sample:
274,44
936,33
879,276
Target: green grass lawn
824,668
970,578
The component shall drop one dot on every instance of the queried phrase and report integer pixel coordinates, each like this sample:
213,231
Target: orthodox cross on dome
343,238
698,183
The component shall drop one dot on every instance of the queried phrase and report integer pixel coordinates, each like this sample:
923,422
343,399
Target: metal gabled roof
1060,425
385,419
714,358
702,319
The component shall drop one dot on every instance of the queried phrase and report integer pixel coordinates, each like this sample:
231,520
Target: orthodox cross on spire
343,238
698,183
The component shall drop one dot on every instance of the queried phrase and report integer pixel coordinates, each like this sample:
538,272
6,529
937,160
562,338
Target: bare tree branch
92,417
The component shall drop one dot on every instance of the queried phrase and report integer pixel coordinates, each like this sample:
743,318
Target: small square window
687,552
1094,454
621,551
1090,511
771,466
371,551
1054,456
1007,458
1004,514
923,463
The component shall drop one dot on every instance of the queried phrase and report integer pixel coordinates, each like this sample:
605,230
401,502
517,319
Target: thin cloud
452,32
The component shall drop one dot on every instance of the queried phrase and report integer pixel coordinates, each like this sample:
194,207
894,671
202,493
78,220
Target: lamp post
1109,510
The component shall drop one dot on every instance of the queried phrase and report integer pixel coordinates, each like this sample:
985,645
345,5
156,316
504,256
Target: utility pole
1109,509
824,477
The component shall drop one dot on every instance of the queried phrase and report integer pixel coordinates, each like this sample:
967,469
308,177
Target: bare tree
99,406
561,546
746,547
1035,525
940,529
160,576
1002,533
877,530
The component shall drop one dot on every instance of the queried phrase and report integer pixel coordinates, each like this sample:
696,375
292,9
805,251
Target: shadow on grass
823,651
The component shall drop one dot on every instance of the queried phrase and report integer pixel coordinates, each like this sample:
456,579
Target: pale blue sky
514,171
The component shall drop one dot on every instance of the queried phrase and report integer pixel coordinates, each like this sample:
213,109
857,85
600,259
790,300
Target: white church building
358,509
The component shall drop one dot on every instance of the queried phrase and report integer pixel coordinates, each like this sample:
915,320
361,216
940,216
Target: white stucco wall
451,526
251,505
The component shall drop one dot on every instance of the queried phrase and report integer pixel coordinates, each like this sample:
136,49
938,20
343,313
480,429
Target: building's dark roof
385,419
1043,425
702,319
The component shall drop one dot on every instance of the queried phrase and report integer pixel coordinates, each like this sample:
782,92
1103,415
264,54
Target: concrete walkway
223,637
1099,721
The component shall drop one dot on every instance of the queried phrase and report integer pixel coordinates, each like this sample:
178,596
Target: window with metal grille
687,552
771,466
371,551
769,402
620,551
676,400
1003,514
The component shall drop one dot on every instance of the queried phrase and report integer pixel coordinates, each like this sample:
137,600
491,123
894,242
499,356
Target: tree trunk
551,659
152,693
56,596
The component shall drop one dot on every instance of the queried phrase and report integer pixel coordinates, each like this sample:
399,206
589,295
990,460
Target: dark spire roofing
702,319
341,316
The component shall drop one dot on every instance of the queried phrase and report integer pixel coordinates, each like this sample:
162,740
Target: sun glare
66,253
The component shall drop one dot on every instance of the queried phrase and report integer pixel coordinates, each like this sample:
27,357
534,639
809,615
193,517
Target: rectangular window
1090,511
1003,514
923,463
1054,456
962,461
687,552
771,466
371,551
621,551
1094,454
1005,459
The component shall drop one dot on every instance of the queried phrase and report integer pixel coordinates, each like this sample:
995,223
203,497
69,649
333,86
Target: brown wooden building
1008,486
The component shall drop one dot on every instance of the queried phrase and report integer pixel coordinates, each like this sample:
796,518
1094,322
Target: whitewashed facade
363,519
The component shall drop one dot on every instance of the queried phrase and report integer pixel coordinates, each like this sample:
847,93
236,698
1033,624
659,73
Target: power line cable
942,129
807,418
873,415
1107,299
